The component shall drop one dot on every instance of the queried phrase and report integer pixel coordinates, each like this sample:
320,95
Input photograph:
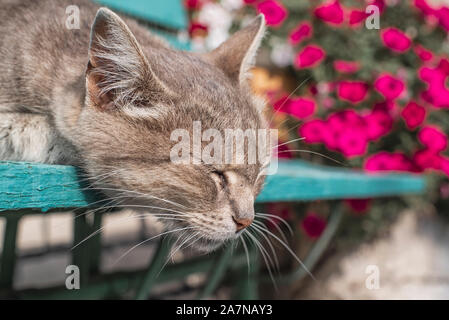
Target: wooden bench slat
299,180
45,187
40,186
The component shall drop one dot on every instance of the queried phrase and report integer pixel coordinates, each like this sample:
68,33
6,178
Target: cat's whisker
88,211
290,141
293,127
289,250
174,252
271,247
314,152
129,206
270,258
92,204
139,193
268,216
289,96
89,178
274,223
99,230
149,239
245,248
105,207
263,253
188,238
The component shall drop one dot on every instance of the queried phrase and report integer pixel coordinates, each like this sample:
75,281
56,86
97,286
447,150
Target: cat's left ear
118,75
237,55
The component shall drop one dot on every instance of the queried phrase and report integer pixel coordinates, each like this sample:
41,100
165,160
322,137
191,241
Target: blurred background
365,87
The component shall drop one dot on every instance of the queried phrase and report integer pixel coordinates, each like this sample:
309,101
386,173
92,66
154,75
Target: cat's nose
242,223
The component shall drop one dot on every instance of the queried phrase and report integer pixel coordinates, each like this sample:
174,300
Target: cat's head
138,93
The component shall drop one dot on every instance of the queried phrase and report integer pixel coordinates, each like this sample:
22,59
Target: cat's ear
237,55
118,73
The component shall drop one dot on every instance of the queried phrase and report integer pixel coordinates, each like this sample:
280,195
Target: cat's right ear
118,73
237,54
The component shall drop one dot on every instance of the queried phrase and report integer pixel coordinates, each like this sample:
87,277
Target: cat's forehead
189,73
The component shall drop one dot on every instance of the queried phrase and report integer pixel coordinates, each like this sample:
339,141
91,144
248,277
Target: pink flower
378,123
389,86
423,53
331,13
401,162
301,32
443,17
358,205
352,91
441,14
386,161
413,115
331,139
378,162
336,124
298,107
281,105
387,105
395,39
356,17
310,56
345,118
434,76
301,107
273,11
313,225
433,138
425,8
346,66
352,142
437,95
427,159
443,66
312,131
192,4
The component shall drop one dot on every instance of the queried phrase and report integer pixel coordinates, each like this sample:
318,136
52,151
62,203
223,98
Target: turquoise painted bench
30,188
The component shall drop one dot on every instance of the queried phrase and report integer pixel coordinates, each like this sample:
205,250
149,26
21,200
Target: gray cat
107,96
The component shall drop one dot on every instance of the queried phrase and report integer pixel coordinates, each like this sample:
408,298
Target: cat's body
107,99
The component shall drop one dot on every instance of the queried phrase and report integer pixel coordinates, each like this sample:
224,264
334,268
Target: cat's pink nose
242,223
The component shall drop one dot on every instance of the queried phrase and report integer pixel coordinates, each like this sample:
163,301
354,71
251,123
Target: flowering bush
373,98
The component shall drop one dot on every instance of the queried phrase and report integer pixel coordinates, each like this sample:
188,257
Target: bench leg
156,264
248,286
217,272
8,261
95,244
80,254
